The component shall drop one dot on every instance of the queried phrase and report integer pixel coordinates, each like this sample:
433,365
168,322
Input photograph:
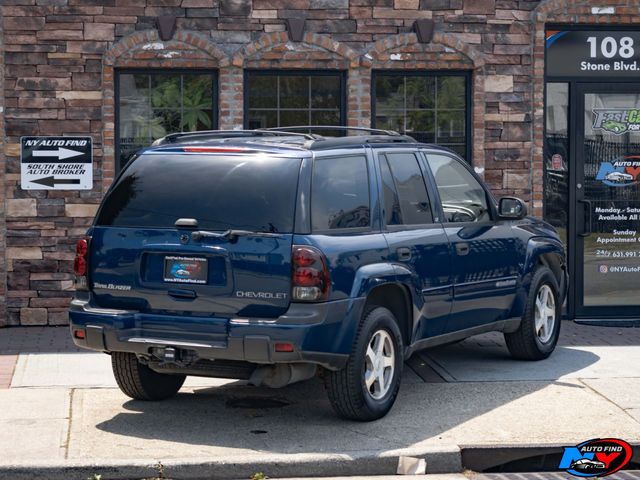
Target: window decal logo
596,458
620,173
185,269
616,120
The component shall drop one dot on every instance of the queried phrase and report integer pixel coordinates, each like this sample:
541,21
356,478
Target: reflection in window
340,194
414,202
292,99
556,157
239,192
430,108
152,105
392,212
463,198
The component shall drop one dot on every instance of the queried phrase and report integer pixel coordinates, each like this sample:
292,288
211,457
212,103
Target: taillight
80,266
310,277
81,263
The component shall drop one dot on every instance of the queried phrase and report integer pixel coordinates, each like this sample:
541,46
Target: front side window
285,99
410,203
463,198
153,104
340,193
431,107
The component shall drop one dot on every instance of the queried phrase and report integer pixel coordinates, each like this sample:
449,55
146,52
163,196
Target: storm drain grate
422,366
502,463
622,475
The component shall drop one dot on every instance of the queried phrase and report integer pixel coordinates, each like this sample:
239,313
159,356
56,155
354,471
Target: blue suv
273,255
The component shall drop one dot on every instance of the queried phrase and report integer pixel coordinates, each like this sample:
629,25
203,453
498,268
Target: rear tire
140,382
367,387
537,336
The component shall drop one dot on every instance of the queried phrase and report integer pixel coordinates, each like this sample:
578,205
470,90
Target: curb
444,460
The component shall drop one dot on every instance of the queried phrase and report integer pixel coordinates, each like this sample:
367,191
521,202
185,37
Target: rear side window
412,193
463,198
340,193
392,212
239,192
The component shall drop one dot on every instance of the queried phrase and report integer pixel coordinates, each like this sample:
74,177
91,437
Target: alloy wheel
379,364
545,315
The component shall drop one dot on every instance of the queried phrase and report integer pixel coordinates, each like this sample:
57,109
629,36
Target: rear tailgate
139,260
154,271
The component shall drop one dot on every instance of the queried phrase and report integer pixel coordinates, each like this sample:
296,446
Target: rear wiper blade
232,234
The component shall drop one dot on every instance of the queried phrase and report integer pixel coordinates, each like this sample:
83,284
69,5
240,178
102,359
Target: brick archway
289,51
145,49
315,51
444,52
413,49
147,46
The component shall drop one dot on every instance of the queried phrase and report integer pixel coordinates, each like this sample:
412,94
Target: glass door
607,195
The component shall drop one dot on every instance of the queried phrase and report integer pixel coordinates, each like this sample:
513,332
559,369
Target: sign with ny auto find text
56,163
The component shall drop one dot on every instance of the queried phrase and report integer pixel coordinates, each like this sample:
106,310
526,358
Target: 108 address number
610,47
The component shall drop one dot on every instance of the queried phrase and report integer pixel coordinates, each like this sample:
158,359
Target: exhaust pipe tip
282,374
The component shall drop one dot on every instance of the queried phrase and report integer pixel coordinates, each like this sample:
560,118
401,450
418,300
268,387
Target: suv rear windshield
238,192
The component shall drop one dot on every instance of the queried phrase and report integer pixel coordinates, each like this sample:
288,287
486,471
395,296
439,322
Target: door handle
589,223
462,248
403,253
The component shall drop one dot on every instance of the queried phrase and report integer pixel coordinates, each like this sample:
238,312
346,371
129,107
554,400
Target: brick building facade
61,59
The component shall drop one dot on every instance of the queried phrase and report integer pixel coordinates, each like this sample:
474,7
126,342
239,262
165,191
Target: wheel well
395,298
554,263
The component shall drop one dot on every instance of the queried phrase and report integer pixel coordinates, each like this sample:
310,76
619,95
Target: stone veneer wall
3,230
60,58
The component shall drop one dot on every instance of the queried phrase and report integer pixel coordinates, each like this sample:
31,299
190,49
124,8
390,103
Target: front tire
139,382
367,387
537,336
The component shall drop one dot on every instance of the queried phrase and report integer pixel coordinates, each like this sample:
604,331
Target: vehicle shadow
299,418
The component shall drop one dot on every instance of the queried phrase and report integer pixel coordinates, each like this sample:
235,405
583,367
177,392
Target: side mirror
512,208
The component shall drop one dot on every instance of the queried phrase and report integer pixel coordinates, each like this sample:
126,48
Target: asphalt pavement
463,406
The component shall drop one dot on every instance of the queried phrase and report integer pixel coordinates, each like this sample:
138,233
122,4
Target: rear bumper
320,333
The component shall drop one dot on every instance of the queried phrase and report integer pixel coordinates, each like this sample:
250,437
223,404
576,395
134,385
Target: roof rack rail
375,131
325,143
222,134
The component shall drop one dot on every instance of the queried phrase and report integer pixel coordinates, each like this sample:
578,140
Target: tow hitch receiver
174,356
170,355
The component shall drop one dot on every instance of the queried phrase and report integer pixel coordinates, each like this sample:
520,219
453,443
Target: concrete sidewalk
63,417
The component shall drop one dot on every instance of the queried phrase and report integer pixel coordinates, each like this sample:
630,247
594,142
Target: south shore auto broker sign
593,53
56,163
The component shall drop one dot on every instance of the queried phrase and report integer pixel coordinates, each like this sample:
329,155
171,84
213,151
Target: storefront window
154,104
556,157
431,107
284,99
